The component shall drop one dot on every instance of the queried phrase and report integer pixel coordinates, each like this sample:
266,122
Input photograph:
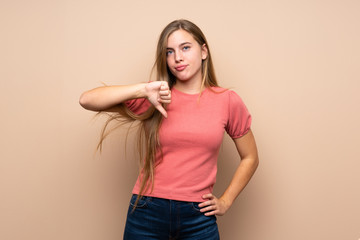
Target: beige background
295,64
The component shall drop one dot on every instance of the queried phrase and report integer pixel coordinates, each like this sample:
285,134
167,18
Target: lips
180,67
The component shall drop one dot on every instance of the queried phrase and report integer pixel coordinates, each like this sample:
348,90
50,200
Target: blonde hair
163,73
150,121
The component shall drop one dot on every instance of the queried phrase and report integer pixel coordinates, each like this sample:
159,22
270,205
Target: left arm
247,150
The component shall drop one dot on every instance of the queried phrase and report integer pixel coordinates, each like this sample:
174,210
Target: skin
107,98
247,150
184,59
183,50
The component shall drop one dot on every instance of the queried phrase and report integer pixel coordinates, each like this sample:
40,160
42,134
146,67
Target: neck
190,87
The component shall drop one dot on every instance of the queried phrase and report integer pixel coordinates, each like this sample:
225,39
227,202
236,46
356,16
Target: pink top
190,138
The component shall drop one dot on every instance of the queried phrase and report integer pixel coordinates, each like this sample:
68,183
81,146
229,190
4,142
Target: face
184,56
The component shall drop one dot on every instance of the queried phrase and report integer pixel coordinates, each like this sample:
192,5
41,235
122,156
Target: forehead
178,37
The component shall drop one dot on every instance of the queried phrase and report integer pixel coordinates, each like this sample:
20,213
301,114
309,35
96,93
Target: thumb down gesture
158,92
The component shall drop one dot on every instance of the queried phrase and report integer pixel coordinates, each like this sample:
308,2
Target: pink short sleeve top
190,139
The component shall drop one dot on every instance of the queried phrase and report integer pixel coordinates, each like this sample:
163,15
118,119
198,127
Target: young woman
183,117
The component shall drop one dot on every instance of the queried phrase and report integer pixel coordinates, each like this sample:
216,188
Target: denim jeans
164,219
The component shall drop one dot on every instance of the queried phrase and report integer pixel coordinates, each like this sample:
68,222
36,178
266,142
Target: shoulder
229,94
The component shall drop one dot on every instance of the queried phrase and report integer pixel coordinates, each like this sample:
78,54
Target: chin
183,78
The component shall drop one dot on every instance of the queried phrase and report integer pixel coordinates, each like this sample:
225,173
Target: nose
178,56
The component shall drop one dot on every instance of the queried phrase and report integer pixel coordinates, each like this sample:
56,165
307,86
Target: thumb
162,110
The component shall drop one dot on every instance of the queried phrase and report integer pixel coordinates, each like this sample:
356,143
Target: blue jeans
164,219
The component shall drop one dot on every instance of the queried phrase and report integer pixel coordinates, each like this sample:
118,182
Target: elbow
256,162
84,101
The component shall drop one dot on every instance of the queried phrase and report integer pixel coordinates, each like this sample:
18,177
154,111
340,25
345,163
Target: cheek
169,61
169,65
198,62
196,58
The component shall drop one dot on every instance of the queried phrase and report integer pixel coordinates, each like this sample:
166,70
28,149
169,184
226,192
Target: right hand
158,92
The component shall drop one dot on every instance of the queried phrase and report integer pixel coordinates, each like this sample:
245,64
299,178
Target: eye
168,52
185,48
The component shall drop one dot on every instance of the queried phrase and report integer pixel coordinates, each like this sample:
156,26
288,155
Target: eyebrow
182,44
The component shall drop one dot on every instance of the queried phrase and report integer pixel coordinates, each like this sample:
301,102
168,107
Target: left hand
213,205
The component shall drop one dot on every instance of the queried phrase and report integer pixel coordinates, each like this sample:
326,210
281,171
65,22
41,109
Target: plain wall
294,63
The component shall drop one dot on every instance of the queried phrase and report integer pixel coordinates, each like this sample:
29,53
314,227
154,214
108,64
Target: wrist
142,91
227,202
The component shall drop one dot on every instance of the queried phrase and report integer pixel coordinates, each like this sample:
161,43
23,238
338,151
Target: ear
204,52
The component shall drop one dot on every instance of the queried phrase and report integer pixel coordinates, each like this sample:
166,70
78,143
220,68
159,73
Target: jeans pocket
195,206
142,203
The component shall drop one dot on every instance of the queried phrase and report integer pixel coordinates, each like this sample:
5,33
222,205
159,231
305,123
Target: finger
161,109
166,97
166,101
208,209
208,196
164,87
203,204
210,213
207,203
164,92
164,84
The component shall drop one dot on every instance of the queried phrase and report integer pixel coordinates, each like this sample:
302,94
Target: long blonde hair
150,121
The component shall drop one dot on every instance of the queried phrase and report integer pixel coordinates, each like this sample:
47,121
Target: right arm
107,98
